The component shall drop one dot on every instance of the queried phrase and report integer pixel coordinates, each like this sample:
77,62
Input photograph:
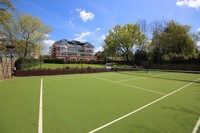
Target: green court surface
122,102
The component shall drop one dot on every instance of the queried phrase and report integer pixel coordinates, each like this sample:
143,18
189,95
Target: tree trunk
127,58
26,50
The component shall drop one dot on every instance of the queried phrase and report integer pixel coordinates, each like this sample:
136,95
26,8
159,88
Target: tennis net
179,75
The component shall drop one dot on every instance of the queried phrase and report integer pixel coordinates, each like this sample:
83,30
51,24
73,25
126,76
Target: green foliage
67,67
140,55
57,61
121,39
26,33
4,18
174,43
101,55
22,63
6,4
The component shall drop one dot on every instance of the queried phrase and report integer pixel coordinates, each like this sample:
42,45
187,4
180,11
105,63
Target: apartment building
73,50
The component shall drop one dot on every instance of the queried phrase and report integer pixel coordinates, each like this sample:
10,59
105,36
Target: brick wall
5,67
58,72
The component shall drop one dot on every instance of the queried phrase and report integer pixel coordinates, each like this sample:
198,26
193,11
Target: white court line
131,86
132,79
143,107
40,109
196,126
78,76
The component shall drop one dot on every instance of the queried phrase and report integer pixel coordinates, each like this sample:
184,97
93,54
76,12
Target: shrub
56,61
89,67
67,67
135,66
22,63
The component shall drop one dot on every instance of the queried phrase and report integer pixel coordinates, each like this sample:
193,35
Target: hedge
22,63
57,61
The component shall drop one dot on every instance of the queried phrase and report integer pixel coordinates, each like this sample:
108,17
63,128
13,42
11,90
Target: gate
6,67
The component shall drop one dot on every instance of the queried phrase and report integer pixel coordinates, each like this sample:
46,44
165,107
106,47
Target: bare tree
156,28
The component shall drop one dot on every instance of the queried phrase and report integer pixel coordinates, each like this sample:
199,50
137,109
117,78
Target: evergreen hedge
22,63
56,61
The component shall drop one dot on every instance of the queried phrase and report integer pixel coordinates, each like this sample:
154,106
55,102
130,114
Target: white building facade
73,50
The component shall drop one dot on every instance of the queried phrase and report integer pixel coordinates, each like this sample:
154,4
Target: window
62,48
72,54
72,50
73,59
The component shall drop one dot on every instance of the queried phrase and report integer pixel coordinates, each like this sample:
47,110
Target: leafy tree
50,50
5,7
101,55
122,39
25,32
140,55
6,4
176,42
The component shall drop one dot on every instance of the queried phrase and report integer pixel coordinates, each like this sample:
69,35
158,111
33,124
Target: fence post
11,71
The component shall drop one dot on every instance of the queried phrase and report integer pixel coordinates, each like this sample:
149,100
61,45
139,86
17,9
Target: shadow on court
160,77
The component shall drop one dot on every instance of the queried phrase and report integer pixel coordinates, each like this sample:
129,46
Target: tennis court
134,101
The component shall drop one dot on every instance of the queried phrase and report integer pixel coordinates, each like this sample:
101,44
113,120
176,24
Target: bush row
22,63
61,61
56,61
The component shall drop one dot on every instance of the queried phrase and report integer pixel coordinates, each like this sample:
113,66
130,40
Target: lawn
54,66
158,102
84,65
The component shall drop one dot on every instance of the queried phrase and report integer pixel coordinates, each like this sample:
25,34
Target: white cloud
198,43
180,3
98,29
190,3
82,36
85,16
47,36
71,23
100,48
78,9
103,37
47,43
198,30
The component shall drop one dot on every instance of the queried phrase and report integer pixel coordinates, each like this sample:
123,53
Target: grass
84,65
84,102
54,66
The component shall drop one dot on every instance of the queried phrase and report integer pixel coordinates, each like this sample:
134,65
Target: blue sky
90,20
